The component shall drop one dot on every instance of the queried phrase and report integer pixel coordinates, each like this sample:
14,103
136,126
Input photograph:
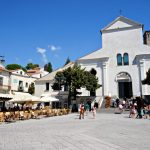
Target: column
105,78
142,76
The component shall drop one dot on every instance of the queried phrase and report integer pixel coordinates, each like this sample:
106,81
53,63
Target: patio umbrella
49,99
24,97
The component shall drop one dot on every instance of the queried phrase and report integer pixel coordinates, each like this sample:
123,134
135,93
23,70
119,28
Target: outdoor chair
2,117
21,115
16,115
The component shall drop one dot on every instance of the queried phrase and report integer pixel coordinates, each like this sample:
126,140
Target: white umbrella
33,99
49,99
24,97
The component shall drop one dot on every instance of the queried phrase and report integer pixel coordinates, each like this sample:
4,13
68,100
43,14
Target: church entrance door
124,85
125,89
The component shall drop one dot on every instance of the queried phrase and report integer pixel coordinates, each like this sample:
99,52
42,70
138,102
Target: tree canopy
75,78
147,79
31,66
48,67
14,67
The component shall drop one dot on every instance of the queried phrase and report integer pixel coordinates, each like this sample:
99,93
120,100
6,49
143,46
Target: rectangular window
47,86
1,80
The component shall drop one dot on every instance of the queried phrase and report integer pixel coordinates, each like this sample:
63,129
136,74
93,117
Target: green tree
67,61
31,66
48,67
14,67
147,79
75,78
31,88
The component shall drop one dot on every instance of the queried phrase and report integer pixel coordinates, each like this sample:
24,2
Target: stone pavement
105,132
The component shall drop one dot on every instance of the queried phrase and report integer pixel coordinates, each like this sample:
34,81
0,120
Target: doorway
125,89
124,85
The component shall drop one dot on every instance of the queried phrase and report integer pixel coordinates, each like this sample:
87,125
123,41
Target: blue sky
41,31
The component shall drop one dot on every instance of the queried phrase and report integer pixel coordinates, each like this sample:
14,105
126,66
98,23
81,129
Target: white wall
122,39
15,78
40,88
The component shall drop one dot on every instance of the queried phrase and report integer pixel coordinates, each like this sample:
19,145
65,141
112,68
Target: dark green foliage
67,61
14,67
31,66
31,88
147,79
75,78
48,67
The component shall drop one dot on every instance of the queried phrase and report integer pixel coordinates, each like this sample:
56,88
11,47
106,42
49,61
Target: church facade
122,62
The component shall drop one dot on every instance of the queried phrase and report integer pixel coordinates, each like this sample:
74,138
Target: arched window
119,60
125,59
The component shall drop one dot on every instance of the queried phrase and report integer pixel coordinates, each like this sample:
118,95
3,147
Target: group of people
85,109
137,107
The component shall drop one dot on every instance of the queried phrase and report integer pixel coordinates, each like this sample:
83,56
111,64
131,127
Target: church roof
120,23
94,55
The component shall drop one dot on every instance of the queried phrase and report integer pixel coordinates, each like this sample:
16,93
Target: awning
4,97
49,99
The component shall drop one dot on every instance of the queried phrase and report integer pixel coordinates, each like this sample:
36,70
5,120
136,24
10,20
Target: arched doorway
124,85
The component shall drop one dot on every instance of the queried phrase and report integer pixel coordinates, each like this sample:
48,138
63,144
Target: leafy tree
14,67
31,88
67,61
48,67
75,78
147,79
31,66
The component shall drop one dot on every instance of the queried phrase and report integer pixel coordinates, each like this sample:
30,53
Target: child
94,111
132,112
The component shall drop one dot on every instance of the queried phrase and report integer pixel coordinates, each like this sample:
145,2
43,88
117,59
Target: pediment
121,23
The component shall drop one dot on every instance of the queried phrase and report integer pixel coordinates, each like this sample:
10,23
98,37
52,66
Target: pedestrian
81,115
132,112
117,102
87,108
94,111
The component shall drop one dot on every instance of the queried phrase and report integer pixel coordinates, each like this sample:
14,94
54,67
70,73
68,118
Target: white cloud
42,51
54,48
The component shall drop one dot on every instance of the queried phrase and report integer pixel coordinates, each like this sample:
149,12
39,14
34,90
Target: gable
121,23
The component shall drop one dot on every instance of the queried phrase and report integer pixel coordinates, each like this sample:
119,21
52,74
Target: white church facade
122,62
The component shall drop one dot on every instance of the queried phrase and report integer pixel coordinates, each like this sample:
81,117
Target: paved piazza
106,132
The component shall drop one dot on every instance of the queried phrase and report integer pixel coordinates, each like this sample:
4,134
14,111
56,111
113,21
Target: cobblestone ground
105,132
